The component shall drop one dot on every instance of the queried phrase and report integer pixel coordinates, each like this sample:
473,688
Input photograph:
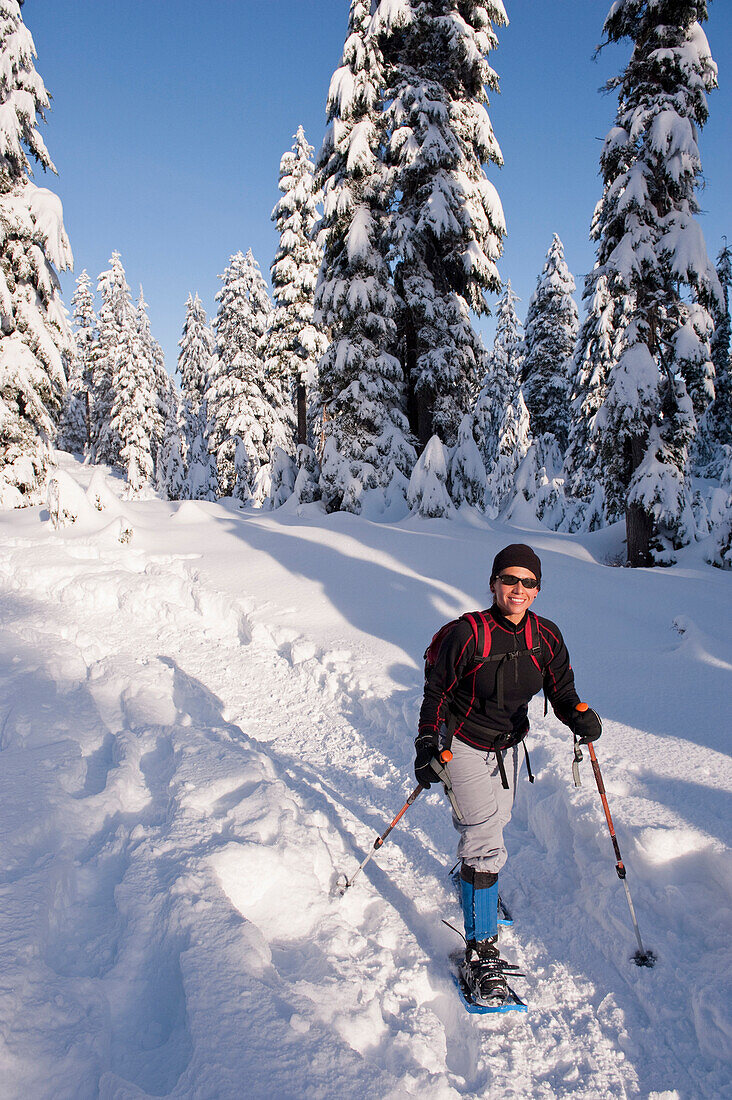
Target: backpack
482,638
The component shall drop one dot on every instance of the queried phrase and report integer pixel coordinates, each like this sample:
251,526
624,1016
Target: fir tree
597,352
242,423
117,328
161,395
651,248
428,495
718,420
360,378
467,470
552,321
295,343
514,441
502,378
35,338
194,360
201,477
448,224
170,470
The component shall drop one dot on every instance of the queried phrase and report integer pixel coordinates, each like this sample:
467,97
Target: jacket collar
505,622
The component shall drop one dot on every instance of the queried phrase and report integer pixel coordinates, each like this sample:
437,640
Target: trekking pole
641,956
444,757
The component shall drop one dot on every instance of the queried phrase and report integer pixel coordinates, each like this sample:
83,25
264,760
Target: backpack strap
535,651
481,635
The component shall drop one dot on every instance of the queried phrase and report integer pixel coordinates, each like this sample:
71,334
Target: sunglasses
510,581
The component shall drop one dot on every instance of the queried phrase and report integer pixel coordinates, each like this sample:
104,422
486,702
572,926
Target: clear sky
169,118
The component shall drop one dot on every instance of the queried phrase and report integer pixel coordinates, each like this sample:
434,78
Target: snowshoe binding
481,979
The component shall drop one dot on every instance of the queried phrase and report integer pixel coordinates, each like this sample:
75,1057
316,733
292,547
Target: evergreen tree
295,343
718,419
502,378
597,352
117,328
552,321
360,378
514,441
73,433
170,470
35,338
194,360
201,477
428,495
448,224
161,393
242,423
467,471
651,248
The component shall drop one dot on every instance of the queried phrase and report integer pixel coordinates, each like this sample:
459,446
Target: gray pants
484,803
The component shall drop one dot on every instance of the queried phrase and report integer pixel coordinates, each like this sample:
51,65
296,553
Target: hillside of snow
206,716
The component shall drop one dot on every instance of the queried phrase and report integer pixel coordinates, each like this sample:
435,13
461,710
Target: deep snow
203,726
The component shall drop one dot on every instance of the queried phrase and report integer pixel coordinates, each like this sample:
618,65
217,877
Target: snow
201,728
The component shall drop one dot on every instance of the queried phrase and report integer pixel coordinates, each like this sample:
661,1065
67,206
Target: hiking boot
482,972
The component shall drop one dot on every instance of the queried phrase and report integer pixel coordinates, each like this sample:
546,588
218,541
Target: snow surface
203,726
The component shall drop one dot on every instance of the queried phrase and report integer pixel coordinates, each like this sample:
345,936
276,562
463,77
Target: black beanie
518,553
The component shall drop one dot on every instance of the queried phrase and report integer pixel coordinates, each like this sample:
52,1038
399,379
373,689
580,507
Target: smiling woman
489,665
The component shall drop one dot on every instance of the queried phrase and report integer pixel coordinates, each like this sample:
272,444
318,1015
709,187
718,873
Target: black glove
425,750
586,725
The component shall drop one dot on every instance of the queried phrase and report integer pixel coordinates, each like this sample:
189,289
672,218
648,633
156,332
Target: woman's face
513,599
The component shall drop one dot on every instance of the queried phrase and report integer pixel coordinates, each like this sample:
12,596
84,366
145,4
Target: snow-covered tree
550,333
717,424
36,344
283,474
360,378
73,432
295,342
243,424
162,397
201,476
428,495
117,328
597,352
170,470
502,377
194,360
447,224
307,482
514,440
651,248
467,470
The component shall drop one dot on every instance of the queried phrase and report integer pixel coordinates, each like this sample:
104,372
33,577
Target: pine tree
194,360
201,477
651,249
163,396
295,343
77,406
360,378
428,495
243,430
448,224
170,470
35,338
117,328
552,322
467,471
514,441
718,419
597,352
502,378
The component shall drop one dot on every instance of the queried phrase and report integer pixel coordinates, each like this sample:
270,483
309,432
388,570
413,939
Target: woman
476,698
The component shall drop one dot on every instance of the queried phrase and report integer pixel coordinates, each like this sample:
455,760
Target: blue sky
169,118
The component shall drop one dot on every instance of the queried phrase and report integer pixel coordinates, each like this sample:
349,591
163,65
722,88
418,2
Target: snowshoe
481,979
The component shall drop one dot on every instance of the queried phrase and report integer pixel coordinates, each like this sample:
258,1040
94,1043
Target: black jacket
465,695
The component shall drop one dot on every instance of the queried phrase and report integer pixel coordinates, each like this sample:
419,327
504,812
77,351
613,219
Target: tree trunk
302,420
638,531
639,525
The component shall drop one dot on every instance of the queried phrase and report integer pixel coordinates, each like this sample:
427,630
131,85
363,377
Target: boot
482,972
